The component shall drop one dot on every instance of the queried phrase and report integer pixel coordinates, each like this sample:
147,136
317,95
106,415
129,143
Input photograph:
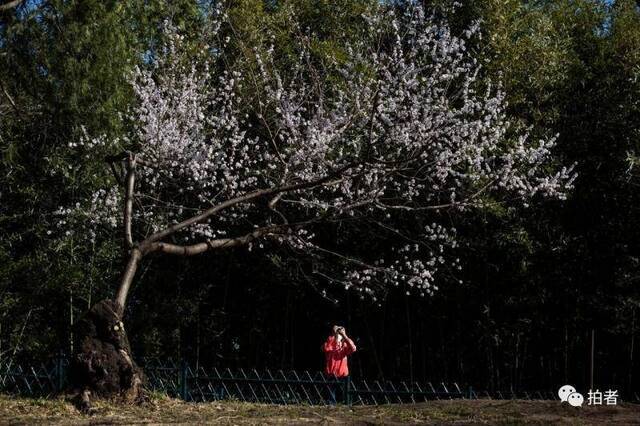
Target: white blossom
409,129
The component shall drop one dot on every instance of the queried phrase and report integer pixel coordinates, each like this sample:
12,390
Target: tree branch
128,199
10,5
137,253
241,199
220,243
272,206
462,203
124,155
11,101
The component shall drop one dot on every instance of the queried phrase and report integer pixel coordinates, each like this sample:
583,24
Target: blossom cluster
408,129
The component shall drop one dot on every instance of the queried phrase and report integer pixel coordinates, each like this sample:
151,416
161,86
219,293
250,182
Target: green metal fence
285,387
34,379
180,380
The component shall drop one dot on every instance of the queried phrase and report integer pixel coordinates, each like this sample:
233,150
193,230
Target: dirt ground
162,410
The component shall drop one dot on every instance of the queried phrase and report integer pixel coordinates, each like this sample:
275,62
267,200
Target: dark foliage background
536,282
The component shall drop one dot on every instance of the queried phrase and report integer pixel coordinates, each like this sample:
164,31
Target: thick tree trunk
127,279
102,364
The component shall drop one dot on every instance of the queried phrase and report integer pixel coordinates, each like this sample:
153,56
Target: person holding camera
336,350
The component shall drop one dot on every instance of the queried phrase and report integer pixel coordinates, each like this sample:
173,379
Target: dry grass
162,410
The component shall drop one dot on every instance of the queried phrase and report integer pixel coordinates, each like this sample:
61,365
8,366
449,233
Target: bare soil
163,410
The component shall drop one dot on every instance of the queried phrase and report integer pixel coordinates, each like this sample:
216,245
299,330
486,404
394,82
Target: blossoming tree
408,127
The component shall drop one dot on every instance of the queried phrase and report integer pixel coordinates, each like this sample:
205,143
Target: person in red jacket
336,350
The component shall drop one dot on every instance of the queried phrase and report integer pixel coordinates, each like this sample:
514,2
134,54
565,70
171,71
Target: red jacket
336,354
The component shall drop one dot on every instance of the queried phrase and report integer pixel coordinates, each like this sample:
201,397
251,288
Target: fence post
184,387
470,392
60,371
